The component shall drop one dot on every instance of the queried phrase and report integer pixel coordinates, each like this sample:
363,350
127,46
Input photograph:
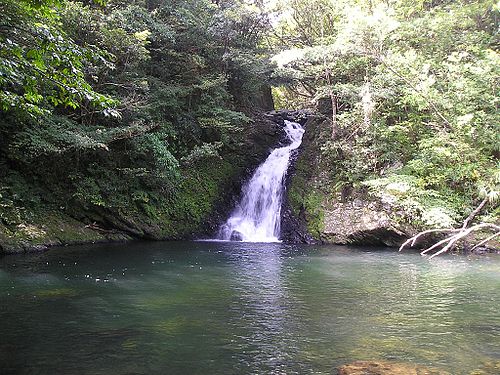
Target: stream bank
317,210
207,191
318,207
322,204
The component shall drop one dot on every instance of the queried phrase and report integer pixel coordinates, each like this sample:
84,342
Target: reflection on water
225,308
261,308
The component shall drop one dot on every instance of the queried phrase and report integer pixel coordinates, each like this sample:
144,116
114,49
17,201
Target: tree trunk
333,99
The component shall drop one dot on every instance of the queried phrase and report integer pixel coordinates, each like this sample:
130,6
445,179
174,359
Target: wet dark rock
265,99
40,248
324,106
292,229
280,116
482,250
236,236
387,368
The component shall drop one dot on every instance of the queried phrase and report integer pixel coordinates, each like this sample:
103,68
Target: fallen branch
486,240
436,245
474,213
454,239
414,239
454,235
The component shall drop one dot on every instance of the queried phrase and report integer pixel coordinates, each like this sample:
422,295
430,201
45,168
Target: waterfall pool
244,308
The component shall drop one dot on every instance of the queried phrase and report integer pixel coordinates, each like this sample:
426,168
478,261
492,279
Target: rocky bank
208,190
320,208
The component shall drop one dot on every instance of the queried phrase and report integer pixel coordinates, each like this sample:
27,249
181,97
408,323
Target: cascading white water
257,217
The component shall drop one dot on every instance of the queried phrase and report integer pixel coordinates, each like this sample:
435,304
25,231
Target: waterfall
257,217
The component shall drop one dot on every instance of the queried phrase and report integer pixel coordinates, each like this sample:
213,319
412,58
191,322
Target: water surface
236,308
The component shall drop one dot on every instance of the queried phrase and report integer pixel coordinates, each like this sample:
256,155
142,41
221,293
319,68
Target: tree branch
474,213
414,239
486,240
455,235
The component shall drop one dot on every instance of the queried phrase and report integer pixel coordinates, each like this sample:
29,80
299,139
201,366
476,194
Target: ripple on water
229,308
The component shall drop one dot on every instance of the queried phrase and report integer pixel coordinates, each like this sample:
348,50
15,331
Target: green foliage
205,151
446,163
112,109
40,66
417,201
416,90
10,213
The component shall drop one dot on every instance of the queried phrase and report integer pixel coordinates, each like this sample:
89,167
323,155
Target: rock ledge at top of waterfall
257,217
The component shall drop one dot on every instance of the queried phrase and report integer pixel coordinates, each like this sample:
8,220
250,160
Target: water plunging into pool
257,217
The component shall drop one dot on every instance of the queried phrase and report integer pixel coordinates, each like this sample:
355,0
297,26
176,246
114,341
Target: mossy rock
200,200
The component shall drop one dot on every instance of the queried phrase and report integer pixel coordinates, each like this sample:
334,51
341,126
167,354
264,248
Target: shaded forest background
137,108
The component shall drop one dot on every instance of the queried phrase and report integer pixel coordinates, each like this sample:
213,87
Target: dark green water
233,308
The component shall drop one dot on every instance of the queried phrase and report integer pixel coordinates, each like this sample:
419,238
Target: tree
114,104
40,67
413,93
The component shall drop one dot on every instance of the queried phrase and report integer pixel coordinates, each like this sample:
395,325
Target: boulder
236,236
387,368
359,222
